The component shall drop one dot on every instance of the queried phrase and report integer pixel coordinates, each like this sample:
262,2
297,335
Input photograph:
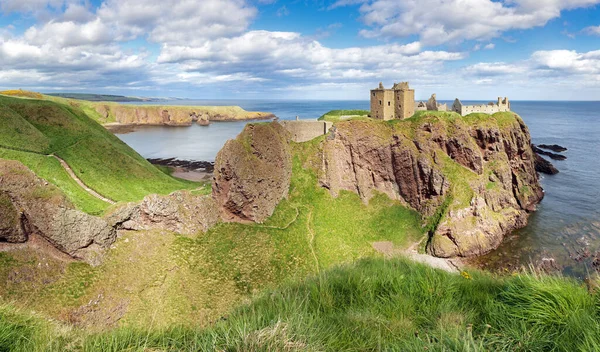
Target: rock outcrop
544,166
252,173
29,205
476,176
180,212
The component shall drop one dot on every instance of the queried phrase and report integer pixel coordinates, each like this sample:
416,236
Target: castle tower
382,103
404,106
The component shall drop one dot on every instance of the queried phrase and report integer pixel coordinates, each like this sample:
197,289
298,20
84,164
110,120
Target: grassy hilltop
111,112
308,279
32,129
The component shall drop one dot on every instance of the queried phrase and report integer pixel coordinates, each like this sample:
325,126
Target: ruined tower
382,101
405,100
395,103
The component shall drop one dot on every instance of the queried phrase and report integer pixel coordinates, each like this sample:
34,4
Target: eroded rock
252,173
30,205
180,212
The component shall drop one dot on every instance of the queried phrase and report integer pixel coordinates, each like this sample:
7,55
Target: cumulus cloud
185,21
272,55
441,21
551,64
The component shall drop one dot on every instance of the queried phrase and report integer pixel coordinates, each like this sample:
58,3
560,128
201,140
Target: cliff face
28,205
252,173
174,115
475,174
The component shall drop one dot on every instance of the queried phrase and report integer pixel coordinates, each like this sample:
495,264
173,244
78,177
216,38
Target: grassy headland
33,129
158,290
111,112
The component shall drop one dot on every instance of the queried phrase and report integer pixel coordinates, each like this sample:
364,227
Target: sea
564,233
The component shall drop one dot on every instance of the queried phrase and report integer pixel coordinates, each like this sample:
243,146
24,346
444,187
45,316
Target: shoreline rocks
544,166
553,147
552,156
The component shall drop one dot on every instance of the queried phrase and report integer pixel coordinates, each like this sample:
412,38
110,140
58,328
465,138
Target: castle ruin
399,103
489,108
395,103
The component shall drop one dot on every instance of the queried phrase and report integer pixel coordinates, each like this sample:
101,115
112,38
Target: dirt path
388,250
67,168
311,239
79,182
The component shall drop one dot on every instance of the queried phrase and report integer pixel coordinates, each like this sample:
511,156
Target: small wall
304,131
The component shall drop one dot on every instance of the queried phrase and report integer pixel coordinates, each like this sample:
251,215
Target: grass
335,115
369,305
165,279
98,158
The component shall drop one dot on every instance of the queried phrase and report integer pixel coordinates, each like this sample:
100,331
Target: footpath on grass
68,170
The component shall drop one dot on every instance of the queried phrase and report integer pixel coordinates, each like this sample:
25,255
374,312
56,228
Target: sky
303,49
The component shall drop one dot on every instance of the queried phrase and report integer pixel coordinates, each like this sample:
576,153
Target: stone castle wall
306,130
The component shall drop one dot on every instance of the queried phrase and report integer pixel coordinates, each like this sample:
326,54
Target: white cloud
552,65
441,21
282,54
592,30
181,22
568,62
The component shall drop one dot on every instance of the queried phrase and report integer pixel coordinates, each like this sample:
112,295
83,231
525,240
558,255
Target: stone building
399,103
431,105
395,103
489,108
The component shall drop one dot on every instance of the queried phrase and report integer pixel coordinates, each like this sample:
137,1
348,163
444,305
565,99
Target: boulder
252,173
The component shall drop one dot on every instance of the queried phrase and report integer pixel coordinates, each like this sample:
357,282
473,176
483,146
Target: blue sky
310,49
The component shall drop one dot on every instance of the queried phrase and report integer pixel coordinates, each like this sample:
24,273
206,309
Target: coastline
123,128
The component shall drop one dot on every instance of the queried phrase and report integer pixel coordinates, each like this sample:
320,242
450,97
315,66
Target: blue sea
566,226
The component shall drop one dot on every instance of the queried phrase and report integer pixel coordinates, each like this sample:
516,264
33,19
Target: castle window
380,102
373,94
389,103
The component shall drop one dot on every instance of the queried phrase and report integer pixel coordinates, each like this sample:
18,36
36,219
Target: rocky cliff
474,177
252,173
29,205
173,115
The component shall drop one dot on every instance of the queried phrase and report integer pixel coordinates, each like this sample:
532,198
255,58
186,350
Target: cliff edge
473,177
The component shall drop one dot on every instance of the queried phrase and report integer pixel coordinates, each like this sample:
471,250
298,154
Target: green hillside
32,129
371,305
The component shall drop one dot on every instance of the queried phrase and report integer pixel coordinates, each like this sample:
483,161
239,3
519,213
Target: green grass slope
336,115
164,279
370,305
32,129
